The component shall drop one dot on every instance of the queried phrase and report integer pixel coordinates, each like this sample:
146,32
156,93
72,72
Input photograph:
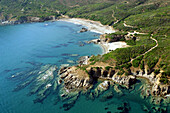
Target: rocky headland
95,80
29,19
82,79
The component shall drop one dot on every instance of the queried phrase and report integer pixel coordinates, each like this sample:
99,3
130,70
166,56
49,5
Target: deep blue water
27,47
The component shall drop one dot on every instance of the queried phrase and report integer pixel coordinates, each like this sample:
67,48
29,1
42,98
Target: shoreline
93,26
96,26
108,47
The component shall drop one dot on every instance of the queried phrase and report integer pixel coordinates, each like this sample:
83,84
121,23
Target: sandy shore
93,26
107,47
96,26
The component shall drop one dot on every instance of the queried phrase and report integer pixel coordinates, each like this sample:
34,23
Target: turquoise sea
27,47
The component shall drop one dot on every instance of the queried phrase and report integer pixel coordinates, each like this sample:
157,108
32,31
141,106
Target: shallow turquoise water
27,47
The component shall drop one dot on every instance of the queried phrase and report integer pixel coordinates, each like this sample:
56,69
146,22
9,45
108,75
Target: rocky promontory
75,79
83,77
25,19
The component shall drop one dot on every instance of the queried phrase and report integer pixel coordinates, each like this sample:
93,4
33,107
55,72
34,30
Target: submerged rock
124,107
107,96
145,108
71,61
117,89
43,80
101,88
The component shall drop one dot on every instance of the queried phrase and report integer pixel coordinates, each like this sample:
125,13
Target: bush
164,80
152,63
131,42
92,63
142,65
108,67
137,61
127,65
157,71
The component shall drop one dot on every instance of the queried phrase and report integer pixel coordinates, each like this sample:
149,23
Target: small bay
27,46
27,50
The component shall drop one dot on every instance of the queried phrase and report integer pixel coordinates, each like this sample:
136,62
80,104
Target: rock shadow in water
46,56
57,46
34,63
64,45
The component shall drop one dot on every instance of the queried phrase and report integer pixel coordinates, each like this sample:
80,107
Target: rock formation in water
83,30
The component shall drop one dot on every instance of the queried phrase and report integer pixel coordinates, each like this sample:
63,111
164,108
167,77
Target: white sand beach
96,26
108,47
113,46
93,26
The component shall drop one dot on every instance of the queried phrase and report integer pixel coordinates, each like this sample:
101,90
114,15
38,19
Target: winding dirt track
149,49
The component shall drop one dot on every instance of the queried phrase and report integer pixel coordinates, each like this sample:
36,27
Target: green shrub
152,63
131,42
142,65
127,65
108,67
164,80
157,71
136,62
92,63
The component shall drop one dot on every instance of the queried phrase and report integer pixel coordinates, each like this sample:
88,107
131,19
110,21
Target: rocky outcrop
74,79
24,19
125,80
34,19
38,19
112,38
160,90
110,74
83,60
83,30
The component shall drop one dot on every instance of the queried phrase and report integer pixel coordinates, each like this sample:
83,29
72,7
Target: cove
27,51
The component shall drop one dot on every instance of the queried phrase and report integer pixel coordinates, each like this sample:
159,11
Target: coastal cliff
85,76
76,79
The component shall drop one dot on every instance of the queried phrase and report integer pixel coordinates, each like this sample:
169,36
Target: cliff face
76,79
160,90
97,73
157,88
96,80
